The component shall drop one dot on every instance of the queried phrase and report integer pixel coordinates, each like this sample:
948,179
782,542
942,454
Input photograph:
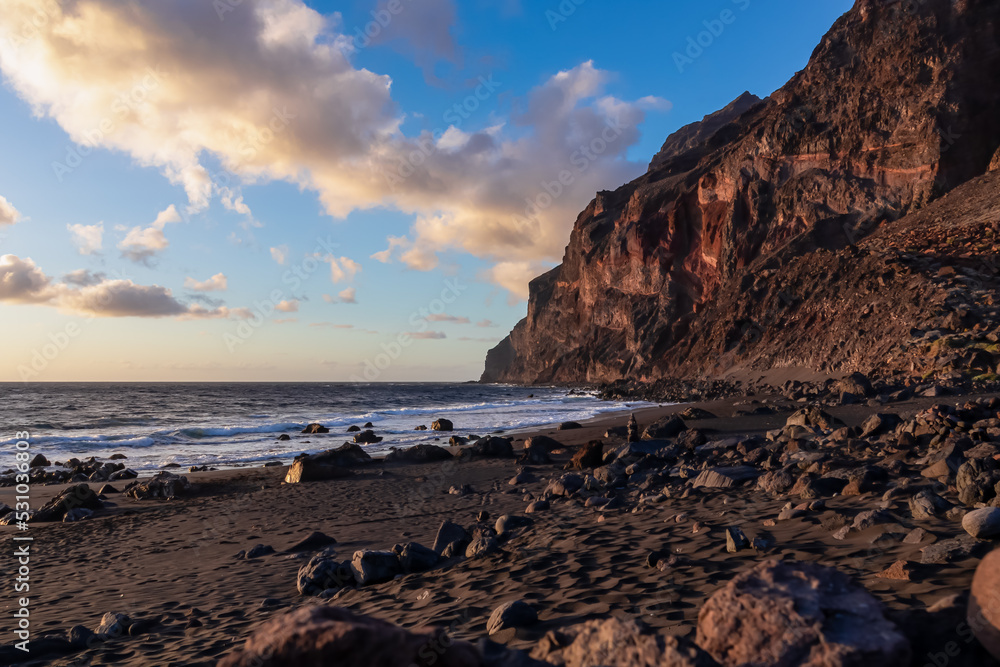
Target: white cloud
342,269
8,214
271,94
141,244
288,306
217,283
88,239
348,295
280,254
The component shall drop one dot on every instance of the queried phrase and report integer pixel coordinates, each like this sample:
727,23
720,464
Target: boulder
879,424
632,429
543,443
375,567
284,437
537,506
113,624
983,524
813,417
725,478
457,441
75,497
618,643
320,636
418,454
515,614
107,489
442,425
855,383
118,457
451,538
569,426
565,486
346,456
801,614
415,557
309,470
39,462
161,485
367,438
976,482
589,456
123,474
482,544
776,481
927,505
984,603
509,523
323,573
354,428
489,447
313,429
665,427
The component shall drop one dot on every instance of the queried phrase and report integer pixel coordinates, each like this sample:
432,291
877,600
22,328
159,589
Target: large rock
161,485
617,643
375,567
451,539
983,524
591,455
489,447
309,470
418,454
75,497
725,478
314,429
984,603
565,486
813,417
323,573
798,614
367,437
543,443
976,482
414,557
323,636
346,456
442,425
515,614
666,427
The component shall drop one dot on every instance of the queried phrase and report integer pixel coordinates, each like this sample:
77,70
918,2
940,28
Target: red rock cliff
897,106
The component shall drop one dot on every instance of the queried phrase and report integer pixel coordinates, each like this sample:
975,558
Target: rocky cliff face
737,232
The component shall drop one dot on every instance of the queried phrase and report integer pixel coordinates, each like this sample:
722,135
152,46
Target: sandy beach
172,565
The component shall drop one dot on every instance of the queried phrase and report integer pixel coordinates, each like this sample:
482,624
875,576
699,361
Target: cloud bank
271,93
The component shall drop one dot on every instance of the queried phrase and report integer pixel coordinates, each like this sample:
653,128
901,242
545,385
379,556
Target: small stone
735,540
899,571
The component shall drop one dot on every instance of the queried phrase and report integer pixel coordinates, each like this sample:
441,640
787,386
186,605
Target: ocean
238,424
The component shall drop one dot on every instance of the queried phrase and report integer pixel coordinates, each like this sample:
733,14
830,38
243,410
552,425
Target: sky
289,190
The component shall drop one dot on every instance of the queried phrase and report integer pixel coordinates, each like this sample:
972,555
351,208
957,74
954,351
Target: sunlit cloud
271,94
8,214
141,244
217,283
280,254
88,239
342,269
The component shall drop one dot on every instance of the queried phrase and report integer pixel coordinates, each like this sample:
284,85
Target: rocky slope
798,233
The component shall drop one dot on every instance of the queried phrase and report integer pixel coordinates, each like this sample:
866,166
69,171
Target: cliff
770,239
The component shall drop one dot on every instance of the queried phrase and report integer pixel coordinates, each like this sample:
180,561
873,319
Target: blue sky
190,168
